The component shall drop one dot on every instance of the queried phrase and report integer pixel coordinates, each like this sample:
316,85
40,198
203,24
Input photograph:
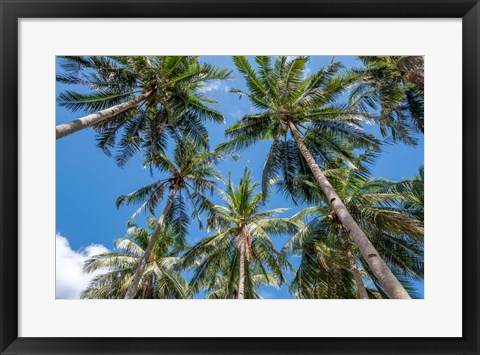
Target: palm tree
324,243
160,279
229,262
291,102
394,86
191,175
125,88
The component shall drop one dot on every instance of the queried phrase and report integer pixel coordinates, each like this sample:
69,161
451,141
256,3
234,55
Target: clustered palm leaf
176,102
283,93
161,278
190,174
240,256
382,208
391,85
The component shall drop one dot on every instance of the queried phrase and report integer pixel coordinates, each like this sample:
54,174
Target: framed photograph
294,177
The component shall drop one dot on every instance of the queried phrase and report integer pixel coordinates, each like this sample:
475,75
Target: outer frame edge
10,12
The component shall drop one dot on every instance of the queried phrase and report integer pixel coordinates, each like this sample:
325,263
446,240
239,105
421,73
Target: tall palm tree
387,84
291,103
241,248
190,177
324,243
160,279
125,88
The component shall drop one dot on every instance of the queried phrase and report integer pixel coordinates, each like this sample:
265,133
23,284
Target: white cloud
70,281
215,85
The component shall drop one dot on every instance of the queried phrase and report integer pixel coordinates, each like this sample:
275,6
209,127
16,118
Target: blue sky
88,182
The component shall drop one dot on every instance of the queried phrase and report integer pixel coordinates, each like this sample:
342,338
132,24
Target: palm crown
241,248
190,175
386,84
160,278
172,98
284,94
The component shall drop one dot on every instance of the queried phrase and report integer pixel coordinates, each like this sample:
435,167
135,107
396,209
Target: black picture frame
11,11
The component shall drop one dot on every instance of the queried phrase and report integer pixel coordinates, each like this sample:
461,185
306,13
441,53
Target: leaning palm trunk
387,279
68,128
362,291
241,277
132,289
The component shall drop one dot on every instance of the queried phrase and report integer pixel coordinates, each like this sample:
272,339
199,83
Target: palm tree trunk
68,128
241,277
387,279
132,289
414,78
146,288
362,291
